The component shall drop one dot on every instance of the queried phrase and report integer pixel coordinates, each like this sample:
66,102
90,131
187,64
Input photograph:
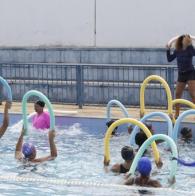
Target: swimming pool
78,169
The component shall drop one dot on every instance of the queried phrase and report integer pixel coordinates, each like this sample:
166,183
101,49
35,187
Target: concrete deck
87,111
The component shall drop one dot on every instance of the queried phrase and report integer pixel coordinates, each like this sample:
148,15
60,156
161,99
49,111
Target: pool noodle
8,89
167,89
145,145
119,104
124,121
161,114
184,163
178,122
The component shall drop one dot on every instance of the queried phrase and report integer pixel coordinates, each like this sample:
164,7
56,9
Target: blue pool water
80,157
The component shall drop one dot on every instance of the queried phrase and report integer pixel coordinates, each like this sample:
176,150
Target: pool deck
87,111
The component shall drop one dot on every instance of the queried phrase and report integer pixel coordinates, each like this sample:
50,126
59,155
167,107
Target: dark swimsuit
123,170
186,70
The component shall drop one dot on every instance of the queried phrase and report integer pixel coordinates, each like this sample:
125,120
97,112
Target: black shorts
186,76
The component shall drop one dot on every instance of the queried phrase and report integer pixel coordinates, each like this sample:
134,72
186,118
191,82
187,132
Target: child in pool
42,119
144,168
114,132
27,151
186,134
128,155
141,137
5,124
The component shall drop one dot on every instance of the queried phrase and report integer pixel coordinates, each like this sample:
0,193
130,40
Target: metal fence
88,83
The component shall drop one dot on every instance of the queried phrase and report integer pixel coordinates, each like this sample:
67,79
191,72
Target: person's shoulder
46,113
116,167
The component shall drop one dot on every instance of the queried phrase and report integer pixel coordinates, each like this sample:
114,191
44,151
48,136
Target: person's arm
170,57
171,41
159,164
53,149
130,181
192,50
5,124
155,183
130,129
18,150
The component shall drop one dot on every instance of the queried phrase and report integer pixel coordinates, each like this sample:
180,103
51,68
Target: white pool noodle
172,40
192,37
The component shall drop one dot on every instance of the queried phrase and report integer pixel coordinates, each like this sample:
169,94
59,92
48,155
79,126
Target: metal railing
89,83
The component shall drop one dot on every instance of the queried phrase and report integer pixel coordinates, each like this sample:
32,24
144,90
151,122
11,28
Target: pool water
80,157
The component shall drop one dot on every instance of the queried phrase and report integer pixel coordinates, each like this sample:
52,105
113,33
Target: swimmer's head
149,126
29,151
144,166
140,138
109,123
186,133
127,153
39,105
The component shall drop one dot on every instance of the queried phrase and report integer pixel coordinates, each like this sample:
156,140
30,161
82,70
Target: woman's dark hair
140,138
109,123
149,126
40,103
185,131
179,43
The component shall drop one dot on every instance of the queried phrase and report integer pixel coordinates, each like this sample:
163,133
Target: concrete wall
94,23
143,23
138,56
83,55
46,22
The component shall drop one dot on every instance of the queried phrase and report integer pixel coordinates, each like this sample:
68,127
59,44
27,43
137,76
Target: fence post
170,79
79,85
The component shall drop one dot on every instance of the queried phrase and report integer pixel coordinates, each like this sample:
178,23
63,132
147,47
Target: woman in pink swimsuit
42,119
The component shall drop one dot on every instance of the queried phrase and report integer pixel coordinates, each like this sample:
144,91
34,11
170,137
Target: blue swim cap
144,166
27,149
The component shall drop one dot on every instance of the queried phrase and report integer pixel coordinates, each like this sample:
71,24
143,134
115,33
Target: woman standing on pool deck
184,52
5,124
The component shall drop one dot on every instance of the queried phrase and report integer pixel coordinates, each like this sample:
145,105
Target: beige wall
119,23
